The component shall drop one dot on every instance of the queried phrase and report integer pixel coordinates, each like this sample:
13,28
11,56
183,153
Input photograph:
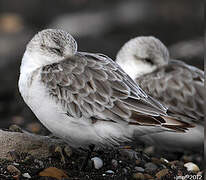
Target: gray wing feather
93,86
178,86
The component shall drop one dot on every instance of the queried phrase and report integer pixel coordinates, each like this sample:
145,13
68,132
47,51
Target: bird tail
175,124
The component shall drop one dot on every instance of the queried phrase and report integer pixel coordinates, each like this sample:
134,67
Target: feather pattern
178,86
93,86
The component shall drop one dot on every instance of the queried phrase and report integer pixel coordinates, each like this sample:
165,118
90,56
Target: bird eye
148,60
57,50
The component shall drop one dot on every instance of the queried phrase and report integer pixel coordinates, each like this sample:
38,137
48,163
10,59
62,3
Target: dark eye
57,50
148,60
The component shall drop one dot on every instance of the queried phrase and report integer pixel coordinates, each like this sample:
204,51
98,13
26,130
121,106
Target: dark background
98,26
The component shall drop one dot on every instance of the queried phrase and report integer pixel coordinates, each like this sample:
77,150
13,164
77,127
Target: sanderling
178,86
86,98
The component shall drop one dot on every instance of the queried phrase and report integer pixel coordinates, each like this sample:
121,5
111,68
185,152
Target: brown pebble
138,176
147,176
34,127
12,169
179,163
162,173
15,128
54,172
155,160
137,162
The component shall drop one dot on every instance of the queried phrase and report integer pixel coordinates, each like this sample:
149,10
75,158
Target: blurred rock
12,169
37,146
11,23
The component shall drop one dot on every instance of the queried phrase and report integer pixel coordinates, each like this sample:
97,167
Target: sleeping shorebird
86,98
176,85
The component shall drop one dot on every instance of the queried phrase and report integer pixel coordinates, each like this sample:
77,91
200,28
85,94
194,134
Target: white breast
77,132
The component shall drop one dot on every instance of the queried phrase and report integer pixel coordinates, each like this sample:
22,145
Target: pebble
98,163
138,176
147,176
41,164
13,169
150,166
68,151
139,169
162,173
114,163
26,175
16,164
110,172
127,154
15,128
124,170
137,162
176,163
149,150
192,167
163,160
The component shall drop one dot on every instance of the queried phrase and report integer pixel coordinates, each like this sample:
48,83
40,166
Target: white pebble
26,175
164,160
110,172
16,164
192,167
98,163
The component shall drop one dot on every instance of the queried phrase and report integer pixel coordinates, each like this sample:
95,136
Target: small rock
124,170
12,169
15,128
127,154
162,173
139,169
114,163
34,127
26,175
68,151
147,176
53,172
41,164
149,150
16,164
156,160
192,167
163,160
200,173
98,163
150,166
110,172
176,163
137,162
138,176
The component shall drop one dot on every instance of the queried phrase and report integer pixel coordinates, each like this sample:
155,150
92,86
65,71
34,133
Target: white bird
86,98
178,86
